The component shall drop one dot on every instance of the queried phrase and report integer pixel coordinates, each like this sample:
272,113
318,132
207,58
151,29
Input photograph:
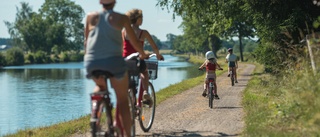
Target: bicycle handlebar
136,55
203,69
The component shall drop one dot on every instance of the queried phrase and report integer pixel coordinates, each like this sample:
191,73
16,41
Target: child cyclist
211,65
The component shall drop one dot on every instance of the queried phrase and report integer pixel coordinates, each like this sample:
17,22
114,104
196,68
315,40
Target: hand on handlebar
160,57
144,56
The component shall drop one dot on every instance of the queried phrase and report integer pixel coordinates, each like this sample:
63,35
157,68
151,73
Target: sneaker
149,103
228,75
146,96
204,93
216,97
236,81
147,99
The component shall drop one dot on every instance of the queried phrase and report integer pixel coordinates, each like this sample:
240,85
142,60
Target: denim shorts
114,65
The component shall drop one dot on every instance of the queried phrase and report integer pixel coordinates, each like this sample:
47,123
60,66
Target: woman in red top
135,16
211,65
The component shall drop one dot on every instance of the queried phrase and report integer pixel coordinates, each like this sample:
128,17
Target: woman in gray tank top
103,51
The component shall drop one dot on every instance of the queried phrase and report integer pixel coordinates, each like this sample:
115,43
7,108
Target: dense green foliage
280,25
14,56
57,26
2,59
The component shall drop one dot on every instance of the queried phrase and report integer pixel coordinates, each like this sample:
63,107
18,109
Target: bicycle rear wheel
132,106
100,122
232,78
210,94
148,111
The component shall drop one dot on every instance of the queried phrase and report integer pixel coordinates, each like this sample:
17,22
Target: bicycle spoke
148,111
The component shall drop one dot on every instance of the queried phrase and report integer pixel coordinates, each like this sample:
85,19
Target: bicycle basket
132,67
152,69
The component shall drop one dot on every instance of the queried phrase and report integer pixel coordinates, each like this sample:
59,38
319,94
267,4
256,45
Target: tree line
53,34
280,25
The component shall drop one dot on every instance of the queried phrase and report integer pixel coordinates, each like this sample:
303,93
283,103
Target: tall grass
285,106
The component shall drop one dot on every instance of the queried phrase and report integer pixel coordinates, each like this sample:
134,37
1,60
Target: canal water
45,94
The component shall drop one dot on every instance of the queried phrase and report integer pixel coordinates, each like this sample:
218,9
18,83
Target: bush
2,59
30,58
14,56
76,57
64,57
55,58
41,57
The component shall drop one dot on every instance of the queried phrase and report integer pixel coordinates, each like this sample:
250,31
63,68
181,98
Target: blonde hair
134,15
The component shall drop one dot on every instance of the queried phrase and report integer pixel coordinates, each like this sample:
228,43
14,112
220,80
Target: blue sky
157,21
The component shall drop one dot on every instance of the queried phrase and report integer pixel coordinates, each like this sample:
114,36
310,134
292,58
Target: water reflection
41,95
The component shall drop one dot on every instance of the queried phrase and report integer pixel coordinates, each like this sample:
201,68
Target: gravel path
188,113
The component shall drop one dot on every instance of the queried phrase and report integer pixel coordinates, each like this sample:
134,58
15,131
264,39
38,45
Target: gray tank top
103,41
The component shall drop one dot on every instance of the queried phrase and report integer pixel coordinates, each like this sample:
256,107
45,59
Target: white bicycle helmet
210,55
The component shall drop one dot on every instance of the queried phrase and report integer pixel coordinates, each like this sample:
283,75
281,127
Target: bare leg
215,88
235,73
121,87
101,84
145,79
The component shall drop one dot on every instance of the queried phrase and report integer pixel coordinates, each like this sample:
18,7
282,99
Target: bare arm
203,64
153,44
218,65
91,21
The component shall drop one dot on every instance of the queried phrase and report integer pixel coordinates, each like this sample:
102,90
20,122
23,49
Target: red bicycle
211,89
101,121
144,111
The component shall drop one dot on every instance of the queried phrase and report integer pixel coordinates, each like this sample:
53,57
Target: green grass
286,106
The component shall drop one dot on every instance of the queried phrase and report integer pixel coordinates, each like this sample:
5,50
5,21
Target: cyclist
232,61
211,65
135,16
103,51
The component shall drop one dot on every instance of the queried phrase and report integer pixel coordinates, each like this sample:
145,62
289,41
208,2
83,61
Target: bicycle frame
142,110
99,102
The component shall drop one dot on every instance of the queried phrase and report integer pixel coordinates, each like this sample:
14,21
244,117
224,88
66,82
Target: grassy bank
286,106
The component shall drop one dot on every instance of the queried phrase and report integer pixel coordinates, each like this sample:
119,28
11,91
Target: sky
157,21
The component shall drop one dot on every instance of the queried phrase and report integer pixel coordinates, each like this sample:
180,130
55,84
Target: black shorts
232,64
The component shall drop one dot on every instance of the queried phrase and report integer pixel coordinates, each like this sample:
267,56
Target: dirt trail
188,114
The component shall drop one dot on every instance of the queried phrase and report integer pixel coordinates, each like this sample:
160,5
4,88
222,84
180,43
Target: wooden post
313,42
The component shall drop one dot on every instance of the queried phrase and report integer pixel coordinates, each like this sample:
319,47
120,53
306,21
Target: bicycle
144,111
211,90
232,76
102,125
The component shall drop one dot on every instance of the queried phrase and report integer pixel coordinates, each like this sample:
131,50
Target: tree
57,25
156,41
66,19
220,18
18,28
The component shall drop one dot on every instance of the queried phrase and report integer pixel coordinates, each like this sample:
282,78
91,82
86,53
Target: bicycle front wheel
147,112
